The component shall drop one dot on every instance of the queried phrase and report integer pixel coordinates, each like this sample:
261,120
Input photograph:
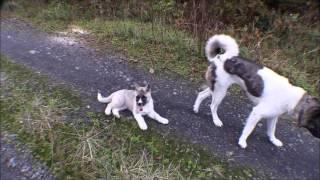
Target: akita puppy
138,101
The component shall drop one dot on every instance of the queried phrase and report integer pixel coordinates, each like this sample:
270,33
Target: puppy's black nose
139,104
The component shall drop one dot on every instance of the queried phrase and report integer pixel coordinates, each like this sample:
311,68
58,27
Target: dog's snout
139,104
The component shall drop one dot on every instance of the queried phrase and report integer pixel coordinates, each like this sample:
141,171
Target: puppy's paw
164,121
276,142
242,143
195,109
218,122
143,127
99,96
117,115
107,112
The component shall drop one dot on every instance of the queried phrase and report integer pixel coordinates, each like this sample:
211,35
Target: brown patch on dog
309,114
211,76
247,70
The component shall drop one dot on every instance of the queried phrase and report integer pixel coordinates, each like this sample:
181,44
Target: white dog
271,93
138,101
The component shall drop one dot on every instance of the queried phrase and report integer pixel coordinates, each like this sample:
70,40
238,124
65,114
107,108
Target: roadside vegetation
170,34
79,144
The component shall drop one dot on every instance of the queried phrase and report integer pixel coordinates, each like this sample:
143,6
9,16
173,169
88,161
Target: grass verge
47,118
291,52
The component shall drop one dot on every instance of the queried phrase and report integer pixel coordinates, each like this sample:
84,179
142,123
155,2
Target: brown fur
208,76
211,76
309,114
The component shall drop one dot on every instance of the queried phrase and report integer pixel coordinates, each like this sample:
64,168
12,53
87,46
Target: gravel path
18,163
70,60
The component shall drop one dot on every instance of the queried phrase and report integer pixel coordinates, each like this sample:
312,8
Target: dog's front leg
142,124
201,96
251,123
156,116
271,124
217,96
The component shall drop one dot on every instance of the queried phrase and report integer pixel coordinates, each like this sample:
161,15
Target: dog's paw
117,115
242,144
276,142
164,121
99,96
107,112
218,122
195,109
143,127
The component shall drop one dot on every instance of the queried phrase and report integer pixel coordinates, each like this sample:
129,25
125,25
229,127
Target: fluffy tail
221,44
104,99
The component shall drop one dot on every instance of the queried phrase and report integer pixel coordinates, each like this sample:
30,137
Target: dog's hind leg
108,109
201,96
115,111
271,125
217,96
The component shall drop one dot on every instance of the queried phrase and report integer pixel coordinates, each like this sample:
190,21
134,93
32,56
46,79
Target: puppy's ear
148,88
136,86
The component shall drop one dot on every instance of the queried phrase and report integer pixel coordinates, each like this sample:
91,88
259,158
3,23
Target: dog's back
279,90
121,98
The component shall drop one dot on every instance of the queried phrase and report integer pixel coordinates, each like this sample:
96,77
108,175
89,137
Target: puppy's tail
221,44
104,99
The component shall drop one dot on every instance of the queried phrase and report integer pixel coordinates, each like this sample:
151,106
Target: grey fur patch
247,71
211,76
216,48
309,115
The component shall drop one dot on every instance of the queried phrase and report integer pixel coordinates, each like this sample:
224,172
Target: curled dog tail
104,99
223,45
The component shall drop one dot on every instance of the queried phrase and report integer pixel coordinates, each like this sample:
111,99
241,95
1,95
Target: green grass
291,52
49,119
154,45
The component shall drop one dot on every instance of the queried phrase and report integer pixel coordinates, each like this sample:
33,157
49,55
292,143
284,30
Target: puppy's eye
143,98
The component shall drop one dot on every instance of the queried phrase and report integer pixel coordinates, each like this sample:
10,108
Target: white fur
278,97
125,99
227,43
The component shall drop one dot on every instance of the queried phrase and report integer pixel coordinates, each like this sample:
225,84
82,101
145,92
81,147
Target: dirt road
71,61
